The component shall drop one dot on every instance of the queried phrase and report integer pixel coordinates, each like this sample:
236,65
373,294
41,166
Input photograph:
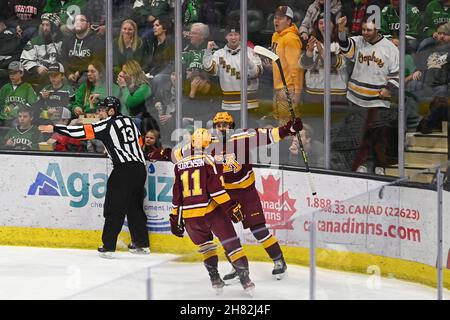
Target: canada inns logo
278,209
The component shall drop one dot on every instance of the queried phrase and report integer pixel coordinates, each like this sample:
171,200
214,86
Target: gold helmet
223,117
201,138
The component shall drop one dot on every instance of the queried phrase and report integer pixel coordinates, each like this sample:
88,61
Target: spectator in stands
363,8
64,143
10,50
433,68
56,96
162,49
128,46
164,108
97,15
312,14
198,11
226,64
66,11
192,58
135,90
314,149
363,138
42,50
287,45
23,136
437,113
78,50
93,90
17,91
147,12
25,17
436,13
390,19
151,141
312,60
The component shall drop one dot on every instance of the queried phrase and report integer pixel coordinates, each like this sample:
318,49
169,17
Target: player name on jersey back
194,163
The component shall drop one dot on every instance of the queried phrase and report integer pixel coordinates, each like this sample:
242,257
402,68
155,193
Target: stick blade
266,53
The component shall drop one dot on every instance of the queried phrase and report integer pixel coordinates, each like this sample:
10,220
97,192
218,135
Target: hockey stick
275,58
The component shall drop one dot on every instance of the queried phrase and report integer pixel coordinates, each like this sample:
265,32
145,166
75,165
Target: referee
125,187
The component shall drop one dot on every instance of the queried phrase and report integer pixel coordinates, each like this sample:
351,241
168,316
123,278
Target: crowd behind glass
52,70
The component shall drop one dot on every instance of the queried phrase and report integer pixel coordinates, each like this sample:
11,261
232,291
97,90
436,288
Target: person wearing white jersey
372,88
226,64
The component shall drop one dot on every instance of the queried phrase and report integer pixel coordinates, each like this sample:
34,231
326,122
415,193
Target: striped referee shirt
119,134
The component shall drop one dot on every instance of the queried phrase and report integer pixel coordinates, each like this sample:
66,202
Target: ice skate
133,248
231,277
216,281
279,270
104,253
246,283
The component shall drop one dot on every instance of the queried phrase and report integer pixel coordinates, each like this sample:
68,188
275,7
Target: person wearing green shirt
436,13
390,19
66,10
24,136
14,93
92,91
135,90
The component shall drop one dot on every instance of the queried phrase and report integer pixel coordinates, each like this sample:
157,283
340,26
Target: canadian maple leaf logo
277,208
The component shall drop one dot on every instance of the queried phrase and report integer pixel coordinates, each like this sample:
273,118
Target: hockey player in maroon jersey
233,150
199,198
232,157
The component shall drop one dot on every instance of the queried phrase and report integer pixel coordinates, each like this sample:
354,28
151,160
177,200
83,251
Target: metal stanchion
312,258
439,185
244,66
149,284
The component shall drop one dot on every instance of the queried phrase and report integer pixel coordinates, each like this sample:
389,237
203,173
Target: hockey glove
236,213
175,228
291,128
159,154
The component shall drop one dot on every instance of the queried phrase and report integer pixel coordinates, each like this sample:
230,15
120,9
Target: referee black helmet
112,102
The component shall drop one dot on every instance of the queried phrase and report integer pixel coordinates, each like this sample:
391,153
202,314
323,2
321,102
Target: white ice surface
42,273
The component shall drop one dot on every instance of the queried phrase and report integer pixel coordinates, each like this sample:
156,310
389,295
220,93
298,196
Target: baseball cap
445,29
232,28
15,66
284,11
56,67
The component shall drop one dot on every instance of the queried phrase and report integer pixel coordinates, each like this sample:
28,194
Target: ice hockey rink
43,273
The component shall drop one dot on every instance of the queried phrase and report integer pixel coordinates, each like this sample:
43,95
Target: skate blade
250,291
106,255
280,276
229,282
143,253
219,291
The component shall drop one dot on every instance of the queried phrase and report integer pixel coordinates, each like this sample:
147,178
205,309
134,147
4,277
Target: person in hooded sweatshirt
43,49
25,17
79,49
287,45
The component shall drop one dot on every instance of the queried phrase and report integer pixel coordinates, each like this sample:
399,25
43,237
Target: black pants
124,196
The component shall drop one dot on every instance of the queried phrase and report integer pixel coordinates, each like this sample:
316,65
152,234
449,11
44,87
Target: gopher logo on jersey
369,58
229,163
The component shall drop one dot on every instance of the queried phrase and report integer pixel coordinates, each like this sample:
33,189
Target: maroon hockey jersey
198,188
233,156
